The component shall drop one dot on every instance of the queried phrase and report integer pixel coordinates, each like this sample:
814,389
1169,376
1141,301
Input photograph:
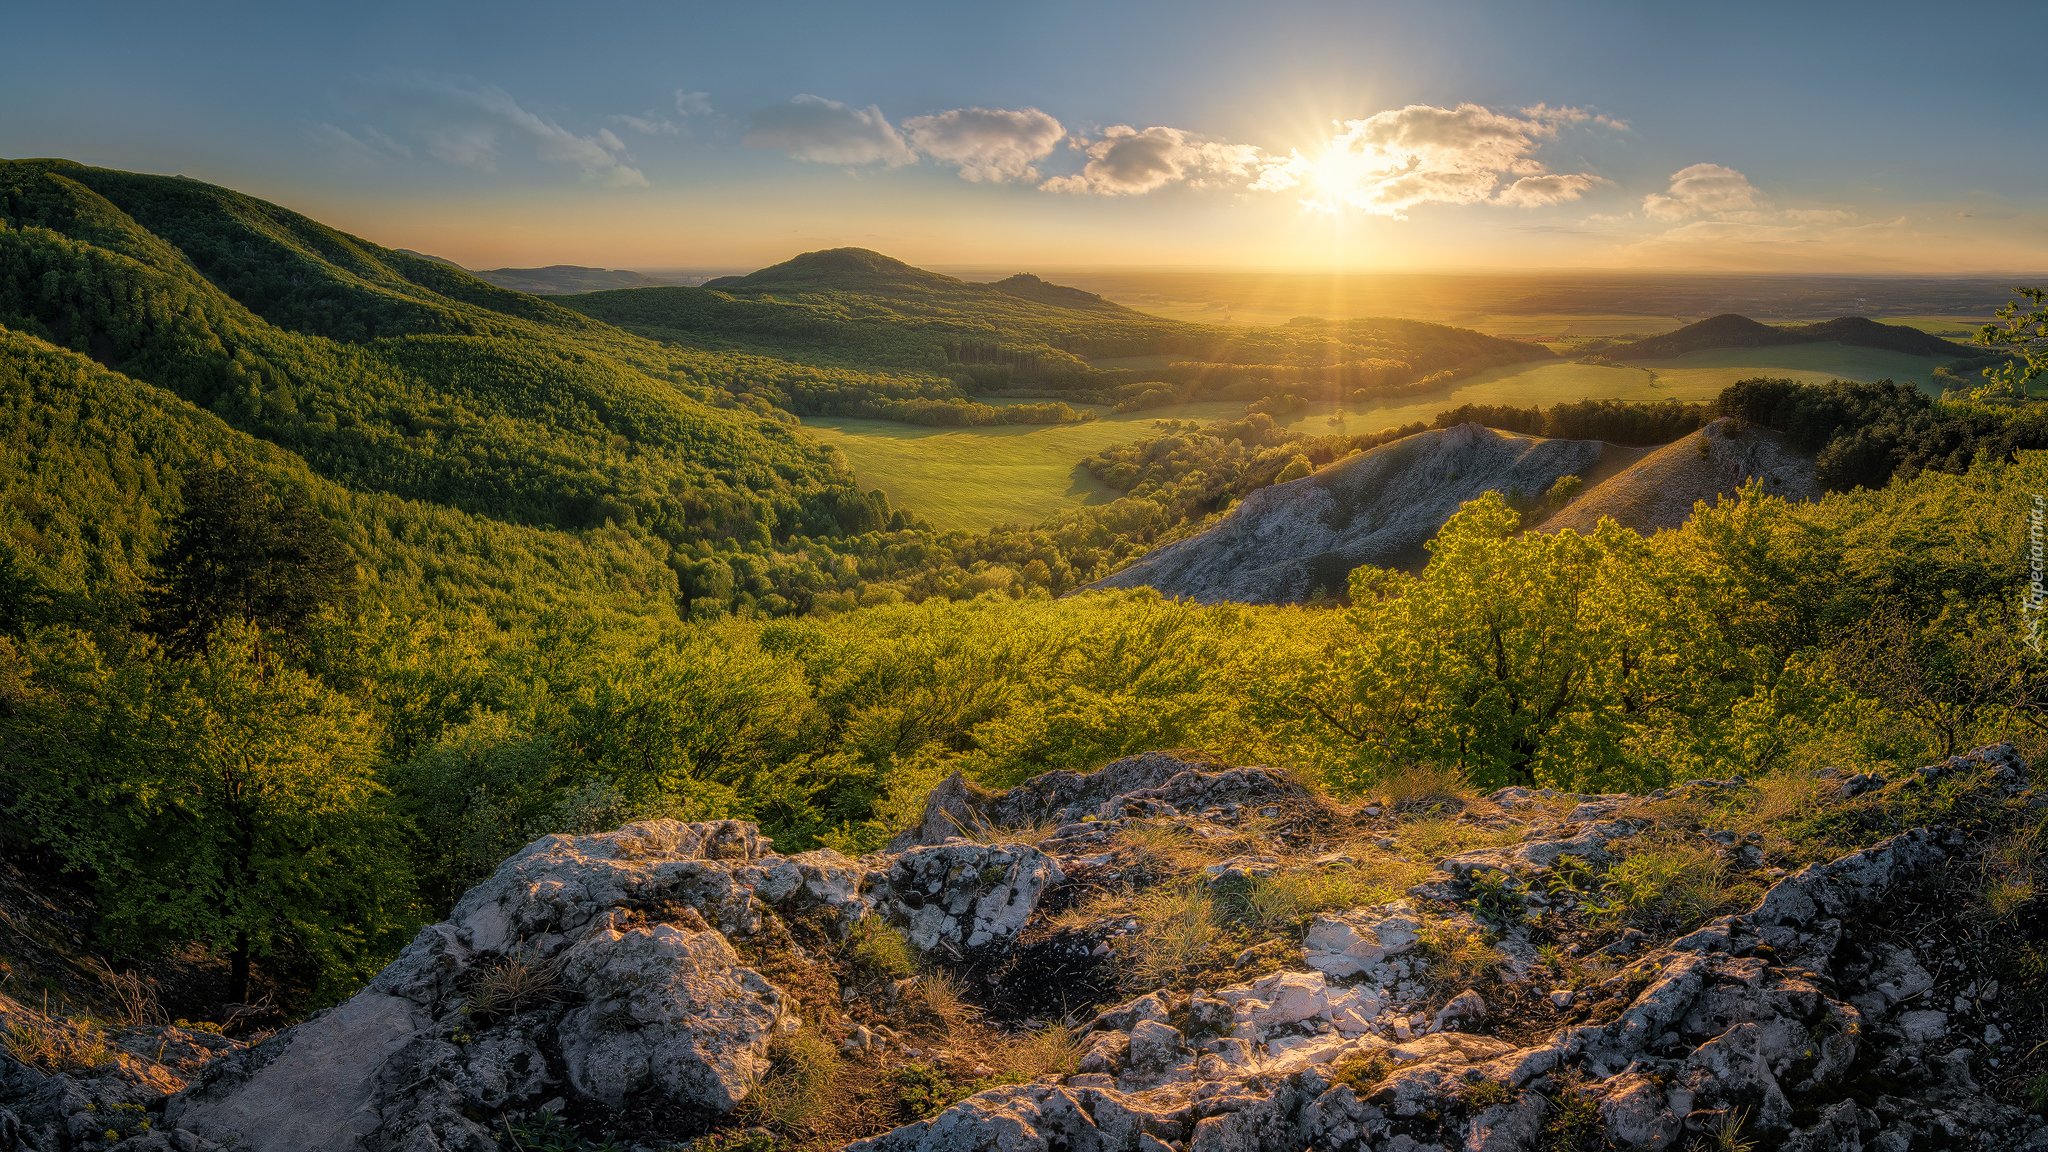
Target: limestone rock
961,895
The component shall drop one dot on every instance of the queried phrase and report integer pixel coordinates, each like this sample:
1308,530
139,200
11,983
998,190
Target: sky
1807,137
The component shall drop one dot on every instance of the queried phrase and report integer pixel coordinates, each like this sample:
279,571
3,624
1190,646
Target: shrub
922,1092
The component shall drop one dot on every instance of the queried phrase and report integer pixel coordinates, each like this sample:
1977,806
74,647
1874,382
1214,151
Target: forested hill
1733,331
853,307
397,376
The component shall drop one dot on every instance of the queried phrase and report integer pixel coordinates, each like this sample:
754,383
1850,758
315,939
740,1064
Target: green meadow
1698,375
974,478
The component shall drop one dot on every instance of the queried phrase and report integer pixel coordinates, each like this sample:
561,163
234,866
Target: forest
330,576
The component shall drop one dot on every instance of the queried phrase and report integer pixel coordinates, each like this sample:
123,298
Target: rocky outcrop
1285,543
608,973
599,967
1792,1020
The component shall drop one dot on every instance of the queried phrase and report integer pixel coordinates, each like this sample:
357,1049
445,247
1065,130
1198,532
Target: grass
976,478
875,952
1666,884
1712,369
56,1045
514,985
1177,930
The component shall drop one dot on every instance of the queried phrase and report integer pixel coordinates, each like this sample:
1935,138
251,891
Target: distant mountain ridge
1734,331
868,273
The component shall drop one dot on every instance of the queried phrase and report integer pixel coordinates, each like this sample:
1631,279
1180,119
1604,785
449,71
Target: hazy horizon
1460,136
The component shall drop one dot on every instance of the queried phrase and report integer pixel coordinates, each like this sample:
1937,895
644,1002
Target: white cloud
986,143
471,125
1536,191
1704,189
828,132
693,103
1126,161
1385,164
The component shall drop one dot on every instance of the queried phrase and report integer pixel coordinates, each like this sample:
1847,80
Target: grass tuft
56,1046
516,984
875,952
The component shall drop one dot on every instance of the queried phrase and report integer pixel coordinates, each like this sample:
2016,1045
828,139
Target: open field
973,478
1696,375
1526,303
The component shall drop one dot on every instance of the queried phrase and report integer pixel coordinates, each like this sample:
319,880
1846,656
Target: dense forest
330,575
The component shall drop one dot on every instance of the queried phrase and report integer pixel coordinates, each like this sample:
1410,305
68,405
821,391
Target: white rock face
634,923
1355,942
961,895
1379,507
666,1010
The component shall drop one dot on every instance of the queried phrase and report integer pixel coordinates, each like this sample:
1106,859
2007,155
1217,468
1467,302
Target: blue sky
1783,136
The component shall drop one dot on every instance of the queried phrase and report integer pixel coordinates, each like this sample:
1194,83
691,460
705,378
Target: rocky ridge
608,975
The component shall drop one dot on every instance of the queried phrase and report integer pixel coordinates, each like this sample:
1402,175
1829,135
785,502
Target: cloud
1536,191
689,106
1703,189
372,147
472,125
1390,162
1126,161
828,132
986,143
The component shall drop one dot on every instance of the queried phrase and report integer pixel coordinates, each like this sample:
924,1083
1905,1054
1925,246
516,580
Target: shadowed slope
1659,490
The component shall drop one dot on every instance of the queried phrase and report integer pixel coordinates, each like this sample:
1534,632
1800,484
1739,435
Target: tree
2026,333
219,799
1548,658
242,550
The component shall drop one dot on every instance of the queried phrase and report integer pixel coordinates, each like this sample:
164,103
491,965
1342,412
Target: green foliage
1561,492
2022,331
1615,421
875,952
219,800
923,1092
1864,434
242,552
547,1132
1524,659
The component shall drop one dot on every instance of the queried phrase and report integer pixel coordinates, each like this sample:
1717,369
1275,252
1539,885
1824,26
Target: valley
842,702
974,478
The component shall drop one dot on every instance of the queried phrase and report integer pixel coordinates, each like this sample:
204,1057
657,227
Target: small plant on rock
548,1132
1726,1134
922,1092
1481,1094
797,1092
1572,1121
1363,1071
875,952
515,984
1497,898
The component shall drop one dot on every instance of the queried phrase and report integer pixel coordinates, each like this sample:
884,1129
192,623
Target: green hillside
849,306
90,472
398,376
